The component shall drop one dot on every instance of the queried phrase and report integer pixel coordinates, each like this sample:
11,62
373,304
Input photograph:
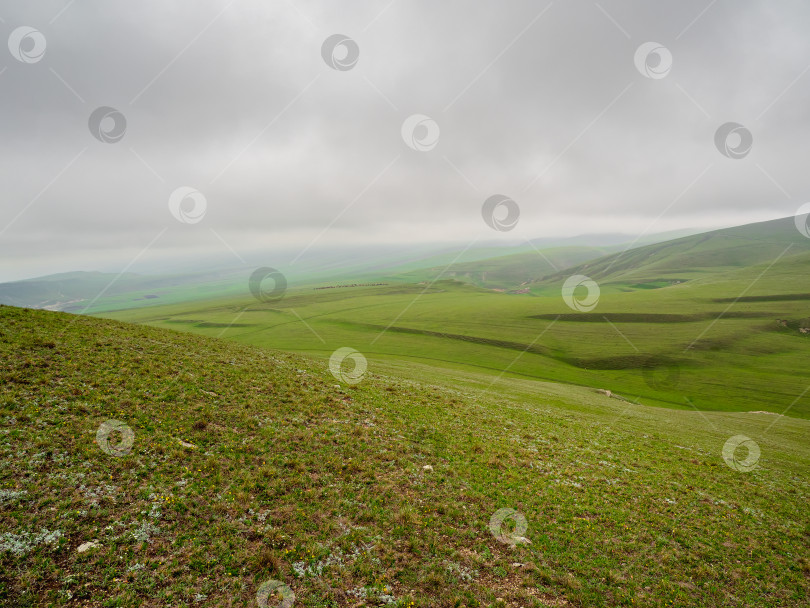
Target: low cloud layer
549,103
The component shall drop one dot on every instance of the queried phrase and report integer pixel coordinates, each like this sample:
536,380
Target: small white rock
427,467
87,546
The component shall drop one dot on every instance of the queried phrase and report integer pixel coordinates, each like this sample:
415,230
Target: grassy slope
509,271
626,505
697,256
686,345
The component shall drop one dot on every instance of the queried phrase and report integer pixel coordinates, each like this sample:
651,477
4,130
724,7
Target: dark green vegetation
249,464
683,326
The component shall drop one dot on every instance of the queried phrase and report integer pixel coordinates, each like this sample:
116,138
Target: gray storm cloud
538,101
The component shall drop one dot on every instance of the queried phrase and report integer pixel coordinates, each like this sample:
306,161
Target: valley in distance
559,424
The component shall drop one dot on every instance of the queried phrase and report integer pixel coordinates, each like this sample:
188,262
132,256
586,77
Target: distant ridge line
352,285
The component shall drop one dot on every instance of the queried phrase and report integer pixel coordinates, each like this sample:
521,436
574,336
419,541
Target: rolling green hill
91,291
695,256
143,467
531,262
510,272
503,264
730,341
60,290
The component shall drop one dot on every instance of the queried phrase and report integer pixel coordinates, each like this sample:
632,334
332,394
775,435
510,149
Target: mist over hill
87,291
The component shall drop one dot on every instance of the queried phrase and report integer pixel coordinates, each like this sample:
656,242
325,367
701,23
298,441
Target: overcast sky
557,105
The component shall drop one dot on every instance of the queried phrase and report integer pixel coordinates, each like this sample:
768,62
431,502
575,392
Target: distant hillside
509,272
62,291
76,291
696,256
98,291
